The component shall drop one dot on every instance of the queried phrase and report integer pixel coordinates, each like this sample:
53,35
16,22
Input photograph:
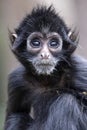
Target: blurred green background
11,12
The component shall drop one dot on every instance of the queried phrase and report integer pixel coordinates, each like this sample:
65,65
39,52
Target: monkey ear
73,39
73,35
12,37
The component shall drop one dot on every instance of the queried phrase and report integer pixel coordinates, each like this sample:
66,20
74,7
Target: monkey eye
35,43
54,43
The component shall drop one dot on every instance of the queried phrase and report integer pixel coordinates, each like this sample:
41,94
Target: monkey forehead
45,30
44,35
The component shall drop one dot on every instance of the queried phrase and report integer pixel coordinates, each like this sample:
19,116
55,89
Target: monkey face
43,40
43,47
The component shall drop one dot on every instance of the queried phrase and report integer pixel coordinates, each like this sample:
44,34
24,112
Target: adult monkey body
51,81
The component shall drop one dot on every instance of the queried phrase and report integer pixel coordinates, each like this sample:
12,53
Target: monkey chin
44,69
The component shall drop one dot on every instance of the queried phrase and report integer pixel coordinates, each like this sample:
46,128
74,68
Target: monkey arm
17,121
18,109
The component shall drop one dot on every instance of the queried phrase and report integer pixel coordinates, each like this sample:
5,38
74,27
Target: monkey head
43,40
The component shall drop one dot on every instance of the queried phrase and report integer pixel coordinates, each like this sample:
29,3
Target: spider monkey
49,90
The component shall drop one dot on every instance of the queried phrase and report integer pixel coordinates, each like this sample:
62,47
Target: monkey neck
59,79
46,80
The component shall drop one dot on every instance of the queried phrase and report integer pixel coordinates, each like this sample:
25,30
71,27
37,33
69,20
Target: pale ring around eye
35,43
55,43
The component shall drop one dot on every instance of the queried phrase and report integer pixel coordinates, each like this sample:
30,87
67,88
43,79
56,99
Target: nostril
44,56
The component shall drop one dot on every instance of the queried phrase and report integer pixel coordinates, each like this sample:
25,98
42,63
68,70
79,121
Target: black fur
59,100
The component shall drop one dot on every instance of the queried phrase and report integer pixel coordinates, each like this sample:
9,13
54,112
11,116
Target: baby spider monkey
51,83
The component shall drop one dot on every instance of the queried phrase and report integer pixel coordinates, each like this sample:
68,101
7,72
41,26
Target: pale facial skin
43,47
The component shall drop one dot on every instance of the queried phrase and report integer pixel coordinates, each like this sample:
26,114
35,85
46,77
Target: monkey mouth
44,68
45,64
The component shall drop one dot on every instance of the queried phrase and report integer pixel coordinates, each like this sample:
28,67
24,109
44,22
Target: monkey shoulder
79,66
80,72
17,78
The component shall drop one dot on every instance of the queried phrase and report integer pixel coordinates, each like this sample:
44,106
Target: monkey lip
45,64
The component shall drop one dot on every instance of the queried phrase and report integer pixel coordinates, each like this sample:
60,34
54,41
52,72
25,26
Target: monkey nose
44,56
